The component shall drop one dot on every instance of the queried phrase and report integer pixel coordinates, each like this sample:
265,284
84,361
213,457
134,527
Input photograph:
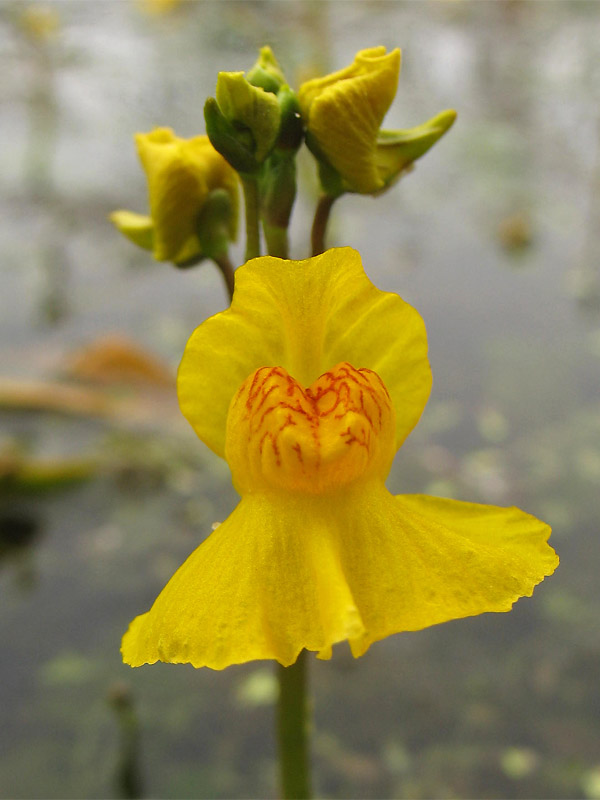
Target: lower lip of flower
314,440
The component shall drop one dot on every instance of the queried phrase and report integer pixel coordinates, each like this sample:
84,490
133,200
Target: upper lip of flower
304,316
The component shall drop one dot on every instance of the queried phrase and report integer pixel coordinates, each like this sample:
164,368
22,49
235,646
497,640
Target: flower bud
291,129
343,113
243,122
278,176
182,175
266,73
253,115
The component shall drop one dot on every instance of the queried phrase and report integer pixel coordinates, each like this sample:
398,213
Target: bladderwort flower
307,385
193,197
343,113
249,113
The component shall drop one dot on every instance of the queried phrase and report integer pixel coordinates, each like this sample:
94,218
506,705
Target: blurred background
104,488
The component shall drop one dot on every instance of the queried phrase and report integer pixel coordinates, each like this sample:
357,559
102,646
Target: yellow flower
308,384
343,113
157,7
183,177
40,23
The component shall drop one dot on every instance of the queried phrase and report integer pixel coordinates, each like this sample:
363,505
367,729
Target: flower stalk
319,227
277,240
252,206
293,726
227,271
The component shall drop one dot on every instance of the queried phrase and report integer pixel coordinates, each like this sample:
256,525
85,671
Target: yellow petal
305,316
149,146
138,228
344,112
263,585
287,572
39,23
414,561
181,173
157,7
177,190
368,60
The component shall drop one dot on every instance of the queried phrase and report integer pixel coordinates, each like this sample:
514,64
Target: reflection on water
18,535
128,776
494,238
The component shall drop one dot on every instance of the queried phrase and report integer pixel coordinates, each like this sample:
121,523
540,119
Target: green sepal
214,224
330,179
276,239
277,184
291,127
266,73
226,139
194,261
423,136
396,150
253,112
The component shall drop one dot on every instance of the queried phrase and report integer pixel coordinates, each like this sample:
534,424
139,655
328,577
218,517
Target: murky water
494,238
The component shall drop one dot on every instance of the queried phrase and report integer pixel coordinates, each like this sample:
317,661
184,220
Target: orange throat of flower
339,430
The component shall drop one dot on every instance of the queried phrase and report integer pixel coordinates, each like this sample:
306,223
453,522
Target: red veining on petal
298,450
309,435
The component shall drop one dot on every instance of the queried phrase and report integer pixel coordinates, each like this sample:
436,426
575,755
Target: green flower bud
214,223
266,73
231,143
291,129
277,178
252,112
253,115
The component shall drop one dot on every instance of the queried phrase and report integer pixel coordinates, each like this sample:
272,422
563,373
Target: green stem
128,775
292,720
320,221
277,240
227,271
251,200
